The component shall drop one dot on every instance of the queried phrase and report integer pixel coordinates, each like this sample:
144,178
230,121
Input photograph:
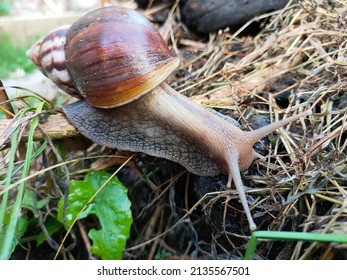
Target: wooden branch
55,127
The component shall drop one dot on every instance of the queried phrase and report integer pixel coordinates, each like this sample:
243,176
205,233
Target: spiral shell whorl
48,54
115,55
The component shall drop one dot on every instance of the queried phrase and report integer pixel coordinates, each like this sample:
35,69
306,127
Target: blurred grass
5,8
12,58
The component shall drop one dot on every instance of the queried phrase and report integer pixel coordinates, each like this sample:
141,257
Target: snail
116,62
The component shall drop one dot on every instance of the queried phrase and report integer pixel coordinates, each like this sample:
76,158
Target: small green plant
13,58
104,196
22,206
100,194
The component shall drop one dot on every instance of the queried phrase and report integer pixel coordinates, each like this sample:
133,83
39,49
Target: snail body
126,104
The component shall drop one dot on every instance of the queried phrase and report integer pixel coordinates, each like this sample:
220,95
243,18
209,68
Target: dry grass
301,53
297,62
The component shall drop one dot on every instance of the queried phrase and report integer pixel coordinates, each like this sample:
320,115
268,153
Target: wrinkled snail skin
160,123
164,124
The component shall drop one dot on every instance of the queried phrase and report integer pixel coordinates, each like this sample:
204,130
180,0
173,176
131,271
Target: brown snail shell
111,56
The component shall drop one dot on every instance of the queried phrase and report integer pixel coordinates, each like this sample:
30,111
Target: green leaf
80,193
111,206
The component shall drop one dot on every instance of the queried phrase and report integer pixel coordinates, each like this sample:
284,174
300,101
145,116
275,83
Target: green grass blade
8,178
8,245
292,236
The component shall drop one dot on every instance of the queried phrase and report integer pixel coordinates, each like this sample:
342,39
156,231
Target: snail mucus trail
116,62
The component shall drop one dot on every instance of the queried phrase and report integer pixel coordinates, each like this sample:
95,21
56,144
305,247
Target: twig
56,127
